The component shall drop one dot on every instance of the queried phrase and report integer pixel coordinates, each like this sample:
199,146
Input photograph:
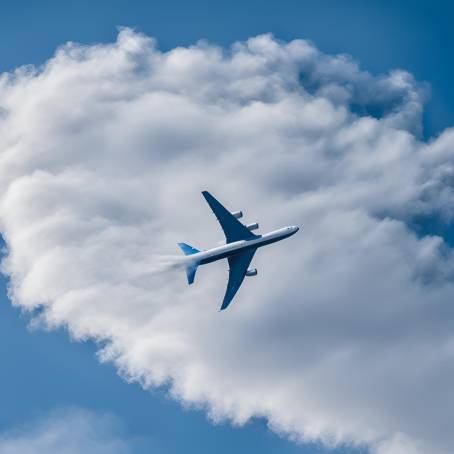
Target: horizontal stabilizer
192,267
187,249
190,272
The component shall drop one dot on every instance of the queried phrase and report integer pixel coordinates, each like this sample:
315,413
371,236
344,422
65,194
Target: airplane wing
238,263
234,230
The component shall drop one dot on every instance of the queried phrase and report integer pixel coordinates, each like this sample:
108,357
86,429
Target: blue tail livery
192,267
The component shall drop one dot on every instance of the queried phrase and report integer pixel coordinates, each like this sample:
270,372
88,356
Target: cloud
345,336
68,431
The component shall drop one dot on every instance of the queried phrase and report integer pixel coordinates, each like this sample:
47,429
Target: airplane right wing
234,230
238,263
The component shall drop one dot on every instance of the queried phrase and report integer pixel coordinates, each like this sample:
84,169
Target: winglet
225,304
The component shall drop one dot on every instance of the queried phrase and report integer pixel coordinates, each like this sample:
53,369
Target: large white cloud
346,335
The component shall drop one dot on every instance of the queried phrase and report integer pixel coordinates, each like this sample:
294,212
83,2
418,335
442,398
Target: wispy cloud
67,431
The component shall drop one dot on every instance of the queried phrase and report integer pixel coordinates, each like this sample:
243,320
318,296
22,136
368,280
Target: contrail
156,267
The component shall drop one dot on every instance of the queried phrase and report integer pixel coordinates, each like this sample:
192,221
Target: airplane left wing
234,230
239,264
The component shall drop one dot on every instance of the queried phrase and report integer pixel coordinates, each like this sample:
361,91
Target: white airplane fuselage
226,250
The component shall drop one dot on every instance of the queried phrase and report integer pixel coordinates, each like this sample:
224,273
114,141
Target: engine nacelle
253,226
251,272
237,214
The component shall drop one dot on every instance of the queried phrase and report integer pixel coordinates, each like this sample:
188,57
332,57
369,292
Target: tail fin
192,267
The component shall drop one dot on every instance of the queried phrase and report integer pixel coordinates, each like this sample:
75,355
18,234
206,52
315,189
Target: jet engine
251,272
253,226
237,214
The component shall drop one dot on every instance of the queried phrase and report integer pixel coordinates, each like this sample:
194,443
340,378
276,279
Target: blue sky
67,374
412,35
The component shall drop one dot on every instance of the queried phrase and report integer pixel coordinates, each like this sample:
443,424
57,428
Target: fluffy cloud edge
323,105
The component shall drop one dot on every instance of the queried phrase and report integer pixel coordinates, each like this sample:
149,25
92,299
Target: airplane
239,249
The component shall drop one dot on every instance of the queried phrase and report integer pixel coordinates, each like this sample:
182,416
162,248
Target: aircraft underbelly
224,255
